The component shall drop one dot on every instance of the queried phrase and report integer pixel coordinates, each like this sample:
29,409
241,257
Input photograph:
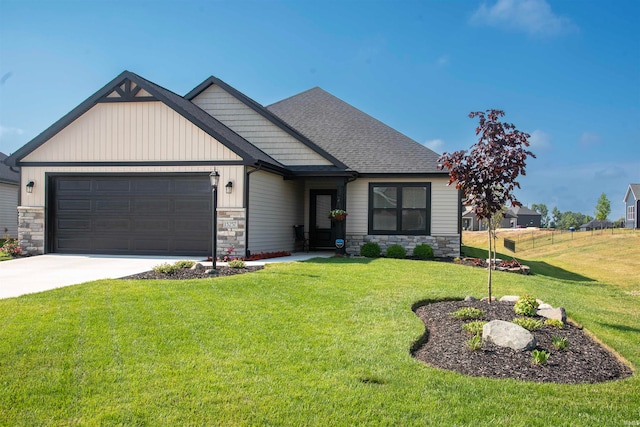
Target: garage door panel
166,215
152,225
75,186
115,225
113,206
152,206
153,186
70,224
73,205
192,206
110,186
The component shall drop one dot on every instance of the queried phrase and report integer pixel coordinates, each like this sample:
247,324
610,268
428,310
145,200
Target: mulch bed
186,273
444,345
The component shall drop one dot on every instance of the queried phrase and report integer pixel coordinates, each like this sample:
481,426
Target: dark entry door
130,215
321,231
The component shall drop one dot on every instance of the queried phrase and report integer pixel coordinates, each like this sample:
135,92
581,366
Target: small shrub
528,323
468,313
540,357
526,306
236,263
474,327
555,323
559,342
396,251
423,251
475,342
185,264
370,250
166,268
11,248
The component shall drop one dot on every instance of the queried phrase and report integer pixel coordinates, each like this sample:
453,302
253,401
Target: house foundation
443,246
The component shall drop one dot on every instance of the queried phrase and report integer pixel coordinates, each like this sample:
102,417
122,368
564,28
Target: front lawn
324,342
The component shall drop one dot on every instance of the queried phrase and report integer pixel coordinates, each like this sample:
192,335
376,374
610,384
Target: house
521,216
632,204
514,217
596,224
128,172
9,184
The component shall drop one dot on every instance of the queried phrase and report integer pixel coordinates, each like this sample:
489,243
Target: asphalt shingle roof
363,143
6,174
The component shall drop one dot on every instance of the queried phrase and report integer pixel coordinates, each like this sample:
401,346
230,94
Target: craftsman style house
128,172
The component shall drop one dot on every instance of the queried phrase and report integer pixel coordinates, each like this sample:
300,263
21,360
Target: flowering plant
11,248
338,214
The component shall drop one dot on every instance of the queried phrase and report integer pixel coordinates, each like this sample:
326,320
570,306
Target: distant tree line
565,220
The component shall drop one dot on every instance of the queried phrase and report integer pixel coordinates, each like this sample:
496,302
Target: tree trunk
490,267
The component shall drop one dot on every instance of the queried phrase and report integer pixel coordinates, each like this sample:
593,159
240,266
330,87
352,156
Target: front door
321,233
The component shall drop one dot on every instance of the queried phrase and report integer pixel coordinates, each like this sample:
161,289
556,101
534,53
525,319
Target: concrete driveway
44,272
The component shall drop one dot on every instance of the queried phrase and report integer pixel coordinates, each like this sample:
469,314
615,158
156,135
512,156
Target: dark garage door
130,215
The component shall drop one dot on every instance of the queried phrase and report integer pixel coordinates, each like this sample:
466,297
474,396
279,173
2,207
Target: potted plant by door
338,215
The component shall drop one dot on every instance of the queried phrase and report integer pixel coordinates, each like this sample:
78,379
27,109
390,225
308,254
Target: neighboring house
514,217
470,221
127,172
521,216
596,224
632,205
9,184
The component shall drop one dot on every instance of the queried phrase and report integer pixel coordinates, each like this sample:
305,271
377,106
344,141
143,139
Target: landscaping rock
554,313
197,267
470,298
544,306
509,298
507,334
485,299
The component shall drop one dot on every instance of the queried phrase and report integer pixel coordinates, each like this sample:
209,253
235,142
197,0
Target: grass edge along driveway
324,342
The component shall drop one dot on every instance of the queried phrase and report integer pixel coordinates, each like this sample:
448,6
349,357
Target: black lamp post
214,177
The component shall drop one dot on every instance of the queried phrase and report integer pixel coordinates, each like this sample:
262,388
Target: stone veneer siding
31,230
231,232
443,246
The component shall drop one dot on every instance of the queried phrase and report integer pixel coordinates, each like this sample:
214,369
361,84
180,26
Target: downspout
344,201
247,252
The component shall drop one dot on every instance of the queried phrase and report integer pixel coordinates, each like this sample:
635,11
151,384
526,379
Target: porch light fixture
30,185
229,187
214,177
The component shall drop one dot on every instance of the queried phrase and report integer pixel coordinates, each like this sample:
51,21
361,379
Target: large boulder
553,313
507,334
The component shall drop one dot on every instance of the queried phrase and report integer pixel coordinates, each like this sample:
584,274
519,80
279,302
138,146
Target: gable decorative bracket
128,91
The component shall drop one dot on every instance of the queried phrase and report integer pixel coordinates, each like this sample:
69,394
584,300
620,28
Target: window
631,212
400,208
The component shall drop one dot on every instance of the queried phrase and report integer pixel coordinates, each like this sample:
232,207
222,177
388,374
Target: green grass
320,343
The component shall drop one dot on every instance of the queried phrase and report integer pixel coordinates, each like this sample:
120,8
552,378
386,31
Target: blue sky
567,72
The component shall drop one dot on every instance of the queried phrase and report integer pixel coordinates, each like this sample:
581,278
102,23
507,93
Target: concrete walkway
44,272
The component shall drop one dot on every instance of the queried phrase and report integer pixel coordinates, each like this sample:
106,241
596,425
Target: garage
130,215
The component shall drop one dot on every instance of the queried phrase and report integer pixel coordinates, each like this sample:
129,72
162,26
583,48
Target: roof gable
129,87
363,143
265,113
633,189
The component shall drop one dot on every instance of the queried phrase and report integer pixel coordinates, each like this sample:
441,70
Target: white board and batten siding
130,131
8,209
257,129
275,206
444,205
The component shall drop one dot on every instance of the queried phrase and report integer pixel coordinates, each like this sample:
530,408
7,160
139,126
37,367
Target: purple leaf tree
487,173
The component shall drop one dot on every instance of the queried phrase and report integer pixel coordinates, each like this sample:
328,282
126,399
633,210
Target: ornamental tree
603,208
487,173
